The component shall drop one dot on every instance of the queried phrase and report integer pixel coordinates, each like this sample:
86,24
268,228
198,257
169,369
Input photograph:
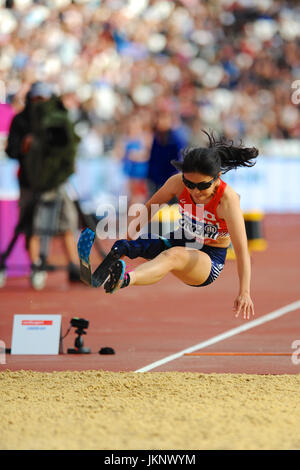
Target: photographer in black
42,139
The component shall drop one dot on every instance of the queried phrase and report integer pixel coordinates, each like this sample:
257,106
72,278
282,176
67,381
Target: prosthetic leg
145,248
85,243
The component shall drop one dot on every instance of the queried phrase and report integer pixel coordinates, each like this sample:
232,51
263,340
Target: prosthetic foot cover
84,247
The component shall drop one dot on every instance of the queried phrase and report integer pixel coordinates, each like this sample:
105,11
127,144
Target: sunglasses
189,184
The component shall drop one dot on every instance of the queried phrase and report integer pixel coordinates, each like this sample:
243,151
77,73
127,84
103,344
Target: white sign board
36,334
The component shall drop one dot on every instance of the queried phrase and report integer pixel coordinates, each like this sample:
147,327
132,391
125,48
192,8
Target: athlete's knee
176,256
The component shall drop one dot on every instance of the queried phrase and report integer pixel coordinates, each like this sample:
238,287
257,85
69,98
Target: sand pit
109,410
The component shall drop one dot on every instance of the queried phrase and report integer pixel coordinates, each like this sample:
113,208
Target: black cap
42,89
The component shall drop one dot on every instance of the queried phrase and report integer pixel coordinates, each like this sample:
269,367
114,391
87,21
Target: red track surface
146,324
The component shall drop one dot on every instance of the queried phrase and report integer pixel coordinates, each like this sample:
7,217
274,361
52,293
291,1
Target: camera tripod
49,210
79,348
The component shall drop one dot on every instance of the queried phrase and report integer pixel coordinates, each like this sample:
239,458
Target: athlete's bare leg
70,246
189,265
34,249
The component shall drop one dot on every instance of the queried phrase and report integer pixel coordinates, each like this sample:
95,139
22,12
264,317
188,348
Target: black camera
79,323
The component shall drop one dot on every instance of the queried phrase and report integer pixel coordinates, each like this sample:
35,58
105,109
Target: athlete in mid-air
211,220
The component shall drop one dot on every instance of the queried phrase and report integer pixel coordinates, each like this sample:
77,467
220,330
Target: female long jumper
211,220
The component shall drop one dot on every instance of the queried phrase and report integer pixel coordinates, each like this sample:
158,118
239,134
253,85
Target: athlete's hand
243,305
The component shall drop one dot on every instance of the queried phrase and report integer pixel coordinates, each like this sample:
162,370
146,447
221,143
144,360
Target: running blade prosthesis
84,246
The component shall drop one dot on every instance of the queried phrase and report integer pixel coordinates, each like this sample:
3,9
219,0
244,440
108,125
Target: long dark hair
220,155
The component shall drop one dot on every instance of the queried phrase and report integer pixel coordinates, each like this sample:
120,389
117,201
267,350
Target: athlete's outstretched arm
233,216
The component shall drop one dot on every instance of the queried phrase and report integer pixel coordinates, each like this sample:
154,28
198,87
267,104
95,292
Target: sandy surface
171,410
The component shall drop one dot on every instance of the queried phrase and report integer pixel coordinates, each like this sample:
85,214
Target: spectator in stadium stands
168,141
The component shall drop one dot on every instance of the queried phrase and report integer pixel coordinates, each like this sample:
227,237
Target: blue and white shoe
116,277
38,276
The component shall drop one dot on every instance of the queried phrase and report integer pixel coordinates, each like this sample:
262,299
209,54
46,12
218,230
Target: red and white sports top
202,221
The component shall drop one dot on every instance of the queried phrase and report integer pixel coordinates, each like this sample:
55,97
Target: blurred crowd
224,64
126,67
